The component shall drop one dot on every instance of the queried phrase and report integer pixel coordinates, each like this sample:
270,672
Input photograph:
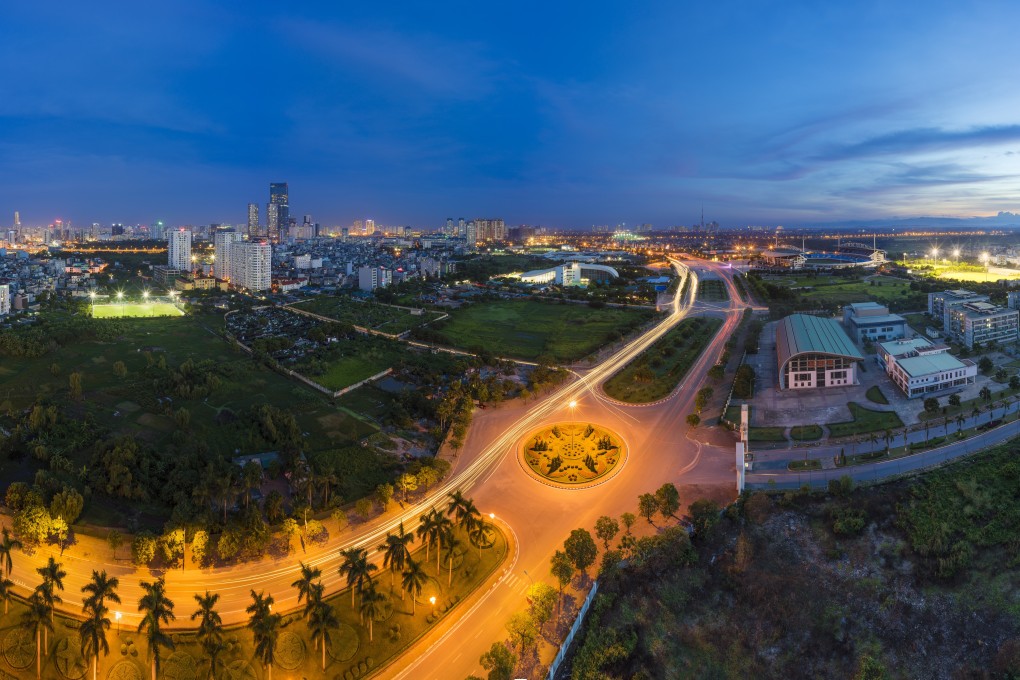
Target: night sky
562,114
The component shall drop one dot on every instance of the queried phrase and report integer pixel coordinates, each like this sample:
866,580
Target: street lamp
984,258
956,254
934,254
432,601
116,616
572,405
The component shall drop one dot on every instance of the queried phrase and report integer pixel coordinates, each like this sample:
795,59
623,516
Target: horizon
793,118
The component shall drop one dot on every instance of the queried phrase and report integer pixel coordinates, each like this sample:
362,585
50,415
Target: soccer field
134,309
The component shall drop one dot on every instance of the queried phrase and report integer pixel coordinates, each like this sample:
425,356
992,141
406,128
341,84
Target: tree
356,569
406,483
648,505
562,569
115,539
321,620
606,529
931,405
986,393
305,582
143,548
265,629
628,519
6,591
395,551
53,580
1014,382
668,499
500,661
523,632
101,588
426,530
7,546
119,369
413,579
251,478
954,399
339,516
172,546
383,495
157,609
543,599
32,524
37,619
581,549
92,633
200,547
704,515
210,628
693,419
74,382
371,602
453,543
985,364
67,504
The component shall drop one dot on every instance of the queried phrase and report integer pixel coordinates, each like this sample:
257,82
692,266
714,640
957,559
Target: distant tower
253,220
17,220
278,196
179,249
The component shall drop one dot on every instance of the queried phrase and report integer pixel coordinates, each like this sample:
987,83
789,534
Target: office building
370,278
251,265
179,249
920,368
873,322
940,303
164,276
278,211
982,323
5,299
815,352
223,241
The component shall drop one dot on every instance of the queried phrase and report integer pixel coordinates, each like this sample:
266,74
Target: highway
487,470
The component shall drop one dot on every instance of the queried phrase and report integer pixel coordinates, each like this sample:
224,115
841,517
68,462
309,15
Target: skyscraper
253,220
278,219
179,249
223,242
17,220
251,265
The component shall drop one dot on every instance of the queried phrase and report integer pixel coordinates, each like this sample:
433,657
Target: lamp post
120,298
116,617
984,258
956,254
934,255
432,601
572,405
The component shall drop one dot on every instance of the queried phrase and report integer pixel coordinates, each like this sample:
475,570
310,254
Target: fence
562,654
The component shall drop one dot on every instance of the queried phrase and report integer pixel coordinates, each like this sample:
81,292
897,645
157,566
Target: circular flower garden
572,454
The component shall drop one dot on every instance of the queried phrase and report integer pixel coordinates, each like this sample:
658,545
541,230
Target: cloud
921,140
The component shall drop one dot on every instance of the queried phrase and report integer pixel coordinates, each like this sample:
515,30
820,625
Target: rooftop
899,348
927,364
862,306
878,319
802,333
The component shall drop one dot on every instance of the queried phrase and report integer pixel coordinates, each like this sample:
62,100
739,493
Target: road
540,516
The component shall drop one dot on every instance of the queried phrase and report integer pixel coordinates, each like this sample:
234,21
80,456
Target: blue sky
564,114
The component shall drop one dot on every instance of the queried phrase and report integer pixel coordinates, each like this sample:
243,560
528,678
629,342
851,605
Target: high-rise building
370,278
278,218
369,227
253,220
471,234
17,220
251,264
5,299
179,250
223,242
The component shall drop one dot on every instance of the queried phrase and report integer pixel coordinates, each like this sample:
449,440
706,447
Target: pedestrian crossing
516,583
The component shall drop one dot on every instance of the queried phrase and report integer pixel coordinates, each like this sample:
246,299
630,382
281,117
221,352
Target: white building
872,321
5,298
179,249
982,323
302,261
921,368
370,278
251,265
571,274
223,241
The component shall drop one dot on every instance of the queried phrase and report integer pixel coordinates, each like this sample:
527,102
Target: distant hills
1006,220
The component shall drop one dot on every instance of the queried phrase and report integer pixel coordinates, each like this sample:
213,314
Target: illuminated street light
120,295
956,254
116,616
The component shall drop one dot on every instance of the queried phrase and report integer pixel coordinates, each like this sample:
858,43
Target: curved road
487,470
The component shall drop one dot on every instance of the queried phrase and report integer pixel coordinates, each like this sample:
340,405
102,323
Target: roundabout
572,455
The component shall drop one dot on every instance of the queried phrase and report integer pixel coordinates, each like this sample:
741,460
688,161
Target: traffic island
572,455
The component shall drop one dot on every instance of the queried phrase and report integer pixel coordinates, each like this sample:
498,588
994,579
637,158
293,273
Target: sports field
118,310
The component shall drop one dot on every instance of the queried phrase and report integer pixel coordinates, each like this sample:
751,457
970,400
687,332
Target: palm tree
315,595
888,437
975,413
873,438
357,569
395,550
413,579
425,530
371,599
443,528
101,588
157,609
7,545
210,628
92,633
6,590
455,506
49,599
960,420
321,620
265,629
37,619
452,544
53,576
304,584
479,534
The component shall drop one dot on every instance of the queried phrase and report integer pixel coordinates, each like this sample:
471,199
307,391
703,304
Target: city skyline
791,117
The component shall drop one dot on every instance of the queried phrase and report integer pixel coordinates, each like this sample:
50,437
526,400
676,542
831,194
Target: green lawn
712,290
657,371
366,314
529,329
806,433
805,465
865,421
837,290
132,309
352,361
767,434
875,394
394,629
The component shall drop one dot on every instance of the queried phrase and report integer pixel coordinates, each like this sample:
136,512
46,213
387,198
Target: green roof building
815,352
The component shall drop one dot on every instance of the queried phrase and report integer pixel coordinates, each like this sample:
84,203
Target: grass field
876,395
806,433
135,309
837,290
712,290
657,371
767,434
528,329
358,363
865,421
371,315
